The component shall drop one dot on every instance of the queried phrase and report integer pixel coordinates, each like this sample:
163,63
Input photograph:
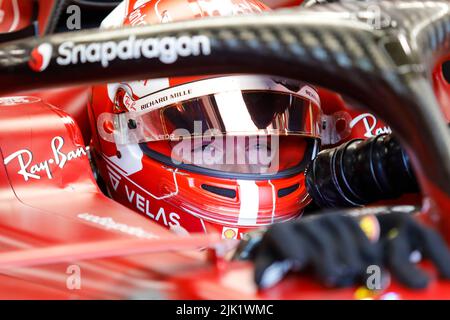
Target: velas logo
40,57
166,49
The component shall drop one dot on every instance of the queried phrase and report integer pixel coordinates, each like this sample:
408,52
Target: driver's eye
259,146
208,147
204,146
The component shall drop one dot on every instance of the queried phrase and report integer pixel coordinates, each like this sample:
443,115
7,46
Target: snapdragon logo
167,50
40,57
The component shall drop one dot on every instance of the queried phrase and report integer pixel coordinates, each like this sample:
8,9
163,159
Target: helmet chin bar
385,65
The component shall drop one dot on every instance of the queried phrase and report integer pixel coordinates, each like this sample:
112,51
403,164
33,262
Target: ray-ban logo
29,170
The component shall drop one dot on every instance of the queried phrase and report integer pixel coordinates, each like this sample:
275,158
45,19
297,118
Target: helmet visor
235,128
233,113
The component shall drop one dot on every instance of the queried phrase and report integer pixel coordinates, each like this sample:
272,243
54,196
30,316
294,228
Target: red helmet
205,154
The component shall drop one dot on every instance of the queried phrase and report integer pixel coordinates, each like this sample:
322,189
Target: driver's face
242,154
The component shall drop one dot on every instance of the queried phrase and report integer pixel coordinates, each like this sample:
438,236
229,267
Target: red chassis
48,225
59,223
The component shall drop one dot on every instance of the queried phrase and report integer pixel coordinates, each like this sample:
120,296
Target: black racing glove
401,236
331,246
338,252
